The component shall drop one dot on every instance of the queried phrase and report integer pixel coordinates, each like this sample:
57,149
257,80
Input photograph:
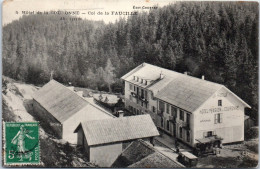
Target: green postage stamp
21,143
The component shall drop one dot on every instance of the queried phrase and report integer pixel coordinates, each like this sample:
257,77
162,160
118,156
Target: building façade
190,109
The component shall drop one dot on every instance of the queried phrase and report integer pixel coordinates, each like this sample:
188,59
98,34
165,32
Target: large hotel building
188,108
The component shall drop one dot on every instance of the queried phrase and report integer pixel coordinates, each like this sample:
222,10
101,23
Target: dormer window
137,79
134,77
142,81
145,82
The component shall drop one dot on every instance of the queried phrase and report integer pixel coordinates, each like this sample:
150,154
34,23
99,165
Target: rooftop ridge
172,71
133,71
62,85
125,117
82,98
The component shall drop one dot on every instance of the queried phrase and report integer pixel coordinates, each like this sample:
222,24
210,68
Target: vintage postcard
133,83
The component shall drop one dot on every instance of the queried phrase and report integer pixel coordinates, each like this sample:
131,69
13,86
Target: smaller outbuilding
60,109
104,140
140,154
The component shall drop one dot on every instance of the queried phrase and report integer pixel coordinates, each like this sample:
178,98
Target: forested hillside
216,39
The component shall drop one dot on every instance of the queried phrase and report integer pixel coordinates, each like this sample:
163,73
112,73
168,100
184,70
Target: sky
12,9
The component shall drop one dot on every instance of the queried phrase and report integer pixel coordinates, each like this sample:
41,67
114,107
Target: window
209,133
174,111
130,97
153,109
145,94
161,106
180,132
142,80
218,118
174,130
219,102
188,136
134,88
131,86
161,122
146,105
167,108
146,82
182,115
168,125
142,93
188,118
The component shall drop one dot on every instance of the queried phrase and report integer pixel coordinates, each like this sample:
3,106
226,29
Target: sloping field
54,152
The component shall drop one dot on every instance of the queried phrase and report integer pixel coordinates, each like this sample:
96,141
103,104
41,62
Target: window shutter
204,134
216,118
220,118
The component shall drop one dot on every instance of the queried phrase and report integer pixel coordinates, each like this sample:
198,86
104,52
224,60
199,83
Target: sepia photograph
133,83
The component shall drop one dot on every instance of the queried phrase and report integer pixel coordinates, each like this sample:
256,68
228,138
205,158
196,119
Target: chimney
120,113
186,73
203,77
161,75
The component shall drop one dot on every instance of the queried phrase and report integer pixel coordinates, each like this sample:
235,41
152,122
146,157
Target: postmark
21,143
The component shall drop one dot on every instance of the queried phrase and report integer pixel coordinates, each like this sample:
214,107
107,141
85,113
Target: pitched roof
59,100
136,151
139,154
62,103
183,91
118,129
187,93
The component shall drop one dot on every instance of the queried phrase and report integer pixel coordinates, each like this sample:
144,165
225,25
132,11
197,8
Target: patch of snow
26,90
16,104
60,141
